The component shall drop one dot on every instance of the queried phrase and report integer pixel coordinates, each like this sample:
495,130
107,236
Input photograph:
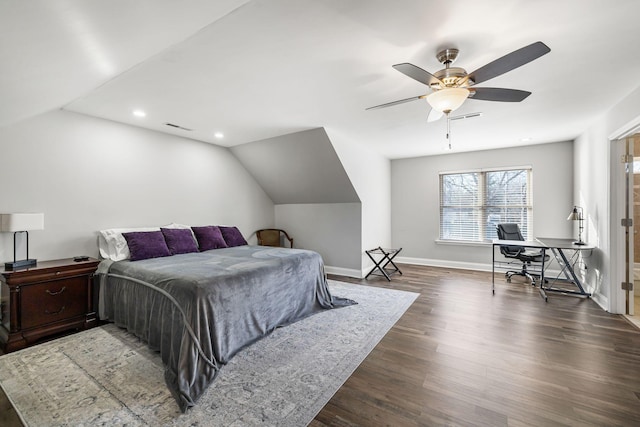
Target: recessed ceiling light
219,135
139,113
525,139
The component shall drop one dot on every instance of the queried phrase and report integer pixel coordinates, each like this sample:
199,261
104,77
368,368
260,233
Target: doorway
632,238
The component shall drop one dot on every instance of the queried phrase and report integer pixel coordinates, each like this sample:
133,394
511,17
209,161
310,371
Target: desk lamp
576,215
21,223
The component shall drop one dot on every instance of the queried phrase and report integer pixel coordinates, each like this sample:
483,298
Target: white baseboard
460,265
601,300
340,271
444,263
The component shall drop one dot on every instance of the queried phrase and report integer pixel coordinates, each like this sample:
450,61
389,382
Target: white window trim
485,242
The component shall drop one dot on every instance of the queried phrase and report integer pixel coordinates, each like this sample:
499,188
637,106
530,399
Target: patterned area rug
105,376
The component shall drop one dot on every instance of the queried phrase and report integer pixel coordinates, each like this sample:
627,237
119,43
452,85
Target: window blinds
473,203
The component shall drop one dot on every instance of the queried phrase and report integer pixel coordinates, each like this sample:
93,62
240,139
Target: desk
567,272
557,247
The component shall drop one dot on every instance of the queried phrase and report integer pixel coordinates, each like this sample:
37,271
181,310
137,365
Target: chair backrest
273,237
509,231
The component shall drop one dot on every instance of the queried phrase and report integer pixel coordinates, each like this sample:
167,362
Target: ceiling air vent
178,127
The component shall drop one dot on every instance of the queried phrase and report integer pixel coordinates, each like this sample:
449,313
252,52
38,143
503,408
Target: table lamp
576,215
21,223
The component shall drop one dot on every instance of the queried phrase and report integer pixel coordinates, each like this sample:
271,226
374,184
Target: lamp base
579,243
23,263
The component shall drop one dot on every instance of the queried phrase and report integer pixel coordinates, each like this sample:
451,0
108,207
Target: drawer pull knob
56,292
54,312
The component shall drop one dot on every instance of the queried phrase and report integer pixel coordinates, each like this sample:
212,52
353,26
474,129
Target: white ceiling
259,69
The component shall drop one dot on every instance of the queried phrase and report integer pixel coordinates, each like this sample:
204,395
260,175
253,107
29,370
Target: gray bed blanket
229,297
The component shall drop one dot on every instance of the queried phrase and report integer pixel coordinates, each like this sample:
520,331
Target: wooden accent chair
273,237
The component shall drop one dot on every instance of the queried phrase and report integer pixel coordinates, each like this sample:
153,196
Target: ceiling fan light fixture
448,99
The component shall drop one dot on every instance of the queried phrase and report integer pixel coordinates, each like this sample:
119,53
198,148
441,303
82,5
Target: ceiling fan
451,86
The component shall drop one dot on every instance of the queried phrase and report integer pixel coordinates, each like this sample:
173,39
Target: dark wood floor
462,357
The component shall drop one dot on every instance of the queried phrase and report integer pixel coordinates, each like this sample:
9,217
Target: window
473,203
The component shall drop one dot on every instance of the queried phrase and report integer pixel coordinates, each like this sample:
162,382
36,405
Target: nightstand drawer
52,301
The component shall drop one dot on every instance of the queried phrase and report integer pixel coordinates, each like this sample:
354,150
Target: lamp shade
574,215
448,99
21,222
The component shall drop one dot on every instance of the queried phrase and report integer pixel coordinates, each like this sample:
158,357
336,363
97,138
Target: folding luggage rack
386,257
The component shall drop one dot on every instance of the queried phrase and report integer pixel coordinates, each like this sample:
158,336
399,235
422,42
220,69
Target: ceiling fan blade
513,60
434,115
389,104
417,73
498,94
465,116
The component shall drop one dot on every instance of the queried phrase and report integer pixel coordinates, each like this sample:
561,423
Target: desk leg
572,272
570,276
493,270
562,259
543,294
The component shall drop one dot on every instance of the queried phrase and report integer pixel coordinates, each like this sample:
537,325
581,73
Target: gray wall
301,167
597,191
332,229
87,174
415,200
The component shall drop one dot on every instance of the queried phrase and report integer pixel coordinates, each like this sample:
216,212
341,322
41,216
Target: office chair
510,231
273,237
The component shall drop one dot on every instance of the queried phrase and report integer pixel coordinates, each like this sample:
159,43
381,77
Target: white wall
331,229
87,174
415,210
370,174
595,162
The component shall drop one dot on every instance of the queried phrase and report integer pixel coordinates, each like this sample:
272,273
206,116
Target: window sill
461,243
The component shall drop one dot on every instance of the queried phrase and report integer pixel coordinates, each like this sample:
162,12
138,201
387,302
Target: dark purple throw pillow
179,240
209,237
146,244
232,236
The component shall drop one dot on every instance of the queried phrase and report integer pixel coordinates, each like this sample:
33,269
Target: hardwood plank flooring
461,356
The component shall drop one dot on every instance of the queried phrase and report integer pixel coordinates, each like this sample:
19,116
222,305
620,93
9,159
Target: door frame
617,211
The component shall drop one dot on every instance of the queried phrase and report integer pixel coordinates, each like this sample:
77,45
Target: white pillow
174,225
113,245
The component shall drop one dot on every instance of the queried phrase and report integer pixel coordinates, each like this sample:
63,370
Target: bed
199,309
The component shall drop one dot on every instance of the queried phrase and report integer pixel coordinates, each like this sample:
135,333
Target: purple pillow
179,240
146,244
232,236
209,237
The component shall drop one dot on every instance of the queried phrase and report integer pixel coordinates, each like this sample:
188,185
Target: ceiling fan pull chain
449,130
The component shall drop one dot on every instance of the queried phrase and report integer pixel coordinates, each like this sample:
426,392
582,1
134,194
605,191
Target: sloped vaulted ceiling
56,52
298,168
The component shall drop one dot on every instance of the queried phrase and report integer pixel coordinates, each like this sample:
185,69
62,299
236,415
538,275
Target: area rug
105,376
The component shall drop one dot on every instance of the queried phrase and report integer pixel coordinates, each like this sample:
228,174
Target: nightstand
46,299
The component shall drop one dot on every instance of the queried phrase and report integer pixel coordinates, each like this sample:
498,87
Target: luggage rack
386,256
